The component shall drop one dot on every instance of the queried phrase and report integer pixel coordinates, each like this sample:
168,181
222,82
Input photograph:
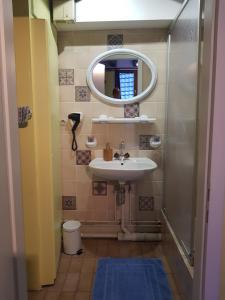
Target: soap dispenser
107,153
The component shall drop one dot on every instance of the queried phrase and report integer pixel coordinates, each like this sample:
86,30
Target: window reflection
121,76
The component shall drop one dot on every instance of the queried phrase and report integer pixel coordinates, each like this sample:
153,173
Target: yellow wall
42,108
55,133
32,8
20,8
39,9
28,151
37,86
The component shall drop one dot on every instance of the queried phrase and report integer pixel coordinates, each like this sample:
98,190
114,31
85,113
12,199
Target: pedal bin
71,237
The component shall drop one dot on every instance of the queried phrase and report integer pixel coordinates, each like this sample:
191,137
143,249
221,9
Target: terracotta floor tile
76,264
172,283
82,296
76,273
52,295
102,248
148,250
64,263
135,249
59,282
157,248
89,247
124,250
39,295
96,265
113,249
85,283
166,265
89,265
71,282
177,297
66,296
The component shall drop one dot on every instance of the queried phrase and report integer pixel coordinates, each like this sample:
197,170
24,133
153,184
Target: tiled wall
95,200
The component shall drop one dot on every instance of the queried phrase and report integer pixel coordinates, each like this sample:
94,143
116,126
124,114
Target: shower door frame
210,210
189,253
211,166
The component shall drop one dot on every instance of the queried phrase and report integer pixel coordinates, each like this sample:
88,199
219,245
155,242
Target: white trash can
71,237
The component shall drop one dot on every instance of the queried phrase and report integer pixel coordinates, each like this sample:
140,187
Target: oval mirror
121,76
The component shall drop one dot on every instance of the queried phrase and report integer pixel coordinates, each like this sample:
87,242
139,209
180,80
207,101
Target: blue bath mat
131,279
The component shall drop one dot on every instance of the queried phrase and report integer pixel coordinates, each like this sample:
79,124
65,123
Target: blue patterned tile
68,202
114,41
144,143
66,76
83,157
146,203
82,94
131,110
99,188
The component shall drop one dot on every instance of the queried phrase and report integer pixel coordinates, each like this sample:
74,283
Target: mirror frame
110,100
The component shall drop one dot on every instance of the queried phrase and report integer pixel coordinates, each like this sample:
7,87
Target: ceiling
122,14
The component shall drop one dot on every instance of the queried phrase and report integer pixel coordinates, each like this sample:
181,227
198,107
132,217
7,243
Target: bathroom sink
127,170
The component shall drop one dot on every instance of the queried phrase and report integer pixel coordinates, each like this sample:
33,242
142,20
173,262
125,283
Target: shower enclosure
180,154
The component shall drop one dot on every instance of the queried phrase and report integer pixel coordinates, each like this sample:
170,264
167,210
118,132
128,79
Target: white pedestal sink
122,171
127,170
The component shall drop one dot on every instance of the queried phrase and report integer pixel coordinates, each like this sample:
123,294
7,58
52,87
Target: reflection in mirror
121,76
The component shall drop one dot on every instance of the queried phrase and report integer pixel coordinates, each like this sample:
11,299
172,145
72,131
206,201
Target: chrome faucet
121,155
122,148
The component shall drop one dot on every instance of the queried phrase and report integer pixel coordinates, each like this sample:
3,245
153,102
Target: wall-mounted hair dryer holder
75,119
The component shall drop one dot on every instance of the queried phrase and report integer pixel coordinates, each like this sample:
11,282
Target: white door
12,266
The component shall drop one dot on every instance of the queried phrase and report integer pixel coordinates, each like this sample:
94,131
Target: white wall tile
67,93
77,50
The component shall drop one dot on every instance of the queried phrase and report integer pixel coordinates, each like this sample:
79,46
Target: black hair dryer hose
76,120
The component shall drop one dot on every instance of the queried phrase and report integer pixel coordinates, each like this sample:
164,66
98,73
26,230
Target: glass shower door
180,156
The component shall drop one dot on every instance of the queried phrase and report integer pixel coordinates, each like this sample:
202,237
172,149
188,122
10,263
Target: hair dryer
75,121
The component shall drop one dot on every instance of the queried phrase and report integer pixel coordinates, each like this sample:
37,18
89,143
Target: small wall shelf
111,120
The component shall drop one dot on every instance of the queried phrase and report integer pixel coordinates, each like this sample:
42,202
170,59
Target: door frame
211,164
10,149
211,168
